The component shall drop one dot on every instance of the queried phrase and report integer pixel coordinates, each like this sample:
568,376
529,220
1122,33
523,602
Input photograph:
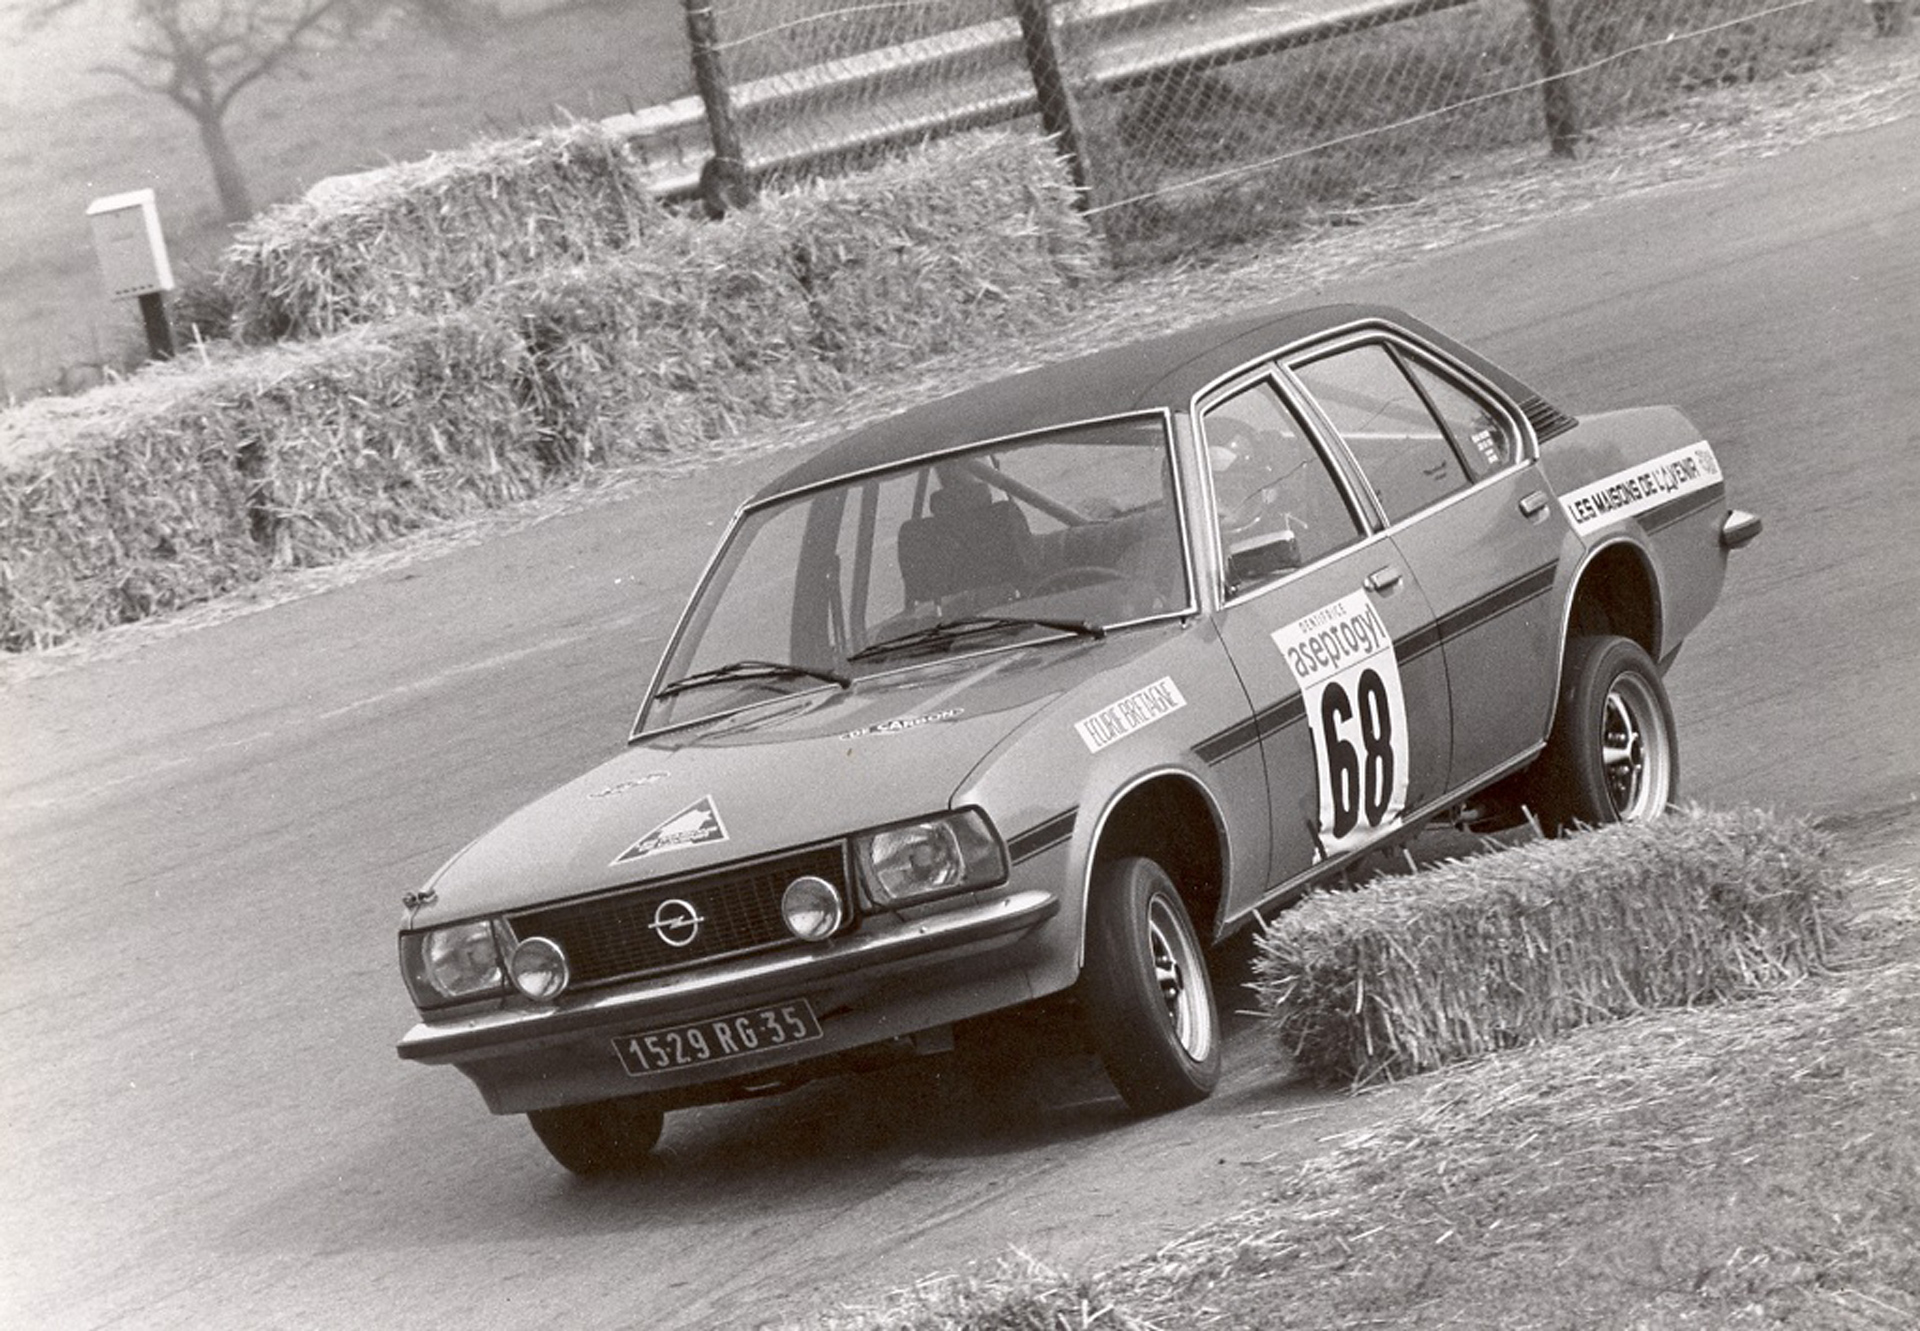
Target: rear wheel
1146,991
1614,755
601,1138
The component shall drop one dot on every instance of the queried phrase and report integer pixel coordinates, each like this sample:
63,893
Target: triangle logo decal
696,825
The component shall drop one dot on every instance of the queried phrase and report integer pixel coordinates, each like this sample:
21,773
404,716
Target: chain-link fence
1194,123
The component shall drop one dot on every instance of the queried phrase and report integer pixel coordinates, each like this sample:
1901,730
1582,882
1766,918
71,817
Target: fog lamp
538,968
811,908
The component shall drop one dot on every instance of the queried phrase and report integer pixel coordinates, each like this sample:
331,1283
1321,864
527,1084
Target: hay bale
1515,947
131,513
434,235
693,336
713,326
181,486
916,256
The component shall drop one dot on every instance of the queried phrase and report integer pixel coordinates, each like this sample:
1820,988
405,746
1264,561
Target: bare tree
201,55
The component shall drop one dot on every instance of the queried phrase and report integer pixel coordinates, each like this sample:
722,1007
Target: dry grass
1518,946
1751,1164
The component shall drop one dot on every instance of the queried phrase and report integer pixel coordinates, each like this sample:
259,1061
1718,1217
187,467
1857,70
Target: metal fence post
1563,117
724,182
1059,115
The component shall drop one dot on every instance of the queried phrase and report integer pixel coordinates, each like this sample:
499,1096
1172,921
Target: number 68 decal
1342,658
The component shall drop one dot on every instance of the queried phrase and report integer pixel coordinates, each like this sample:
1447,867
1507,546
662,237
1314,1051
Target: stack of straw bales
1514,947
709,327
178,486
434,235
190,481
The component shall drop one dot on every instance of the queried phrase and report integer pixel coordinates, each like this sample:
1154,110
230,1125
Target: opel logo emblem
676,922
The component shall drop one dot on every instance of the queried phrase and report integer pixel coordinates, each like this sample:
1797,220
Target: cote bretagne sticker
1136,711
695,825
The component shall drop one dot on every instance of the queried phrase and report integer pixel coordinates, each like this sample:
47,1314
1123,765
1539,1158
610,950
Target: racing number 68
1359,779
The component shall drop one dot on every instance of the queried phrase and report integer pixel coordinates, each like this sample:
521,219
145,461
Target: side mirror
1261,557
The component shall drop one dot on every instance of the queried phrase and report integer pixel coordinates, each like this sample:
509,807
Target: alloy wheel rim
1635,751
1175,970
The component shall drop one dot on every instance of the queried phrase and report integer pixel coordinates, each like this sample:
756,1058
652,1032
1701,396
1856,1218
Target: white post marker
133,259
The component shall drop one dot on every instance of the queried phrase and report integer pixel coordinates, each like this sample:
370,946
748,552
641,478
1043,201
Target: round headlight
539,969
811,908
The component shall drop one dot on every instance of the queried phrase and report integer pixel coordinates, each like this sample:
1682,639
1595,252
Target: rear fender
1646,476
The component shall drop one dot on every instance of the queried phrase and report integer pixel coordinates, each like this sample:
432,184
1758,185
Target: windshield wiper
750,670
964,626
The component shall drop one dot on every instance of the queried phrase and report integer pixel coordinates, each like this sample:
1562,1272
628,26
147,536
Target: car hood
794,772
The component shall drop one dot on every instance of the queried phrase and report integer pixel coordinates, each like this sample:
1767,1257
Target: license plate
718,1038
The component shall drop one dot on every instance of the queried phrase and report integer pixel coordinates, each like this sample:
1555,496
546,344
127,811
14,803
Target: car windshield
1070,531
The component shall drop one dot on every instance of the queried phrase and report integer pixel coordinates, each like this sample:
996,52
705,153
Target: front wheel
1146,992
600,1138
1614,755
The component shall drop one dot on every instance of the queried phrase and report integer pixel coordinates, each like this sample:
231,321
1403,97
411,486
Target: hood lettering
631,783
900,724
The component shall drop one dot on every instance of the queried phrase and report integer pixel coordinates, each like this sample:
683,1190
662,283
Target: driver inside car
1259,532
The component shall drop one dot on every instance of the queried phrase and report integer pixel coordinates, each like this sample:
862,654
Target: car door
1329,632
1451,471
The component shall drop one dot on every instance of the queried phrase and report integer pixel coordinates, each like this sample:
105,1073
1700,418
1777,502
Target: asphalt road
202,845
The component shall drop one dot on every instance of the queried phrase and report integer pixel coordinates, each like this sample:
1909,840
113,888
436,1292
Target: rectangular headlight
452,963
915,861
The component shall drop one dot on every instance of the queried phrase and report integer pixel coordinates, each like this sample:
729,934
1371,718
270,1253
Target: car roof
1159,373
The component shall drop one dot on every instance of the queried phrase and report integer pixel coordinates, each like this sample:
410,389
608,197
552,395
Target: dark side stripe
1245,734
1679,510
1497,602
1044,837
1418,643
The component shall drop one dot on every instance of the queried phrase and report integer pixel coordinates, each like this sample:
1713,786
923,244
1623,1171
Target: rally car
1030,695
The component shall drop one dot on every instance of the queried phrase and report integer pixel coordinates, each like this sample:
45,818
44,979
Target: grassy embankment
1745,1163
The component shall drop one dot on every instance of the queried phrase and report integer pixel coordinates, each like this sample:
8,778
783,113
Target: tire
607,1137
1145,990
1614,755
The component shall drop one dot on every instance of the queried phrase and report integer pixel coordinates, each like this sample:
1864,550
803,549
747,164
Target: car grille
613,936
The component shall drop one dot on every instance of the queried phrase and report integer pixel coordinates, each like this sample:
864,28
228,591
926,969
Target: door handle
1533,504
1383,580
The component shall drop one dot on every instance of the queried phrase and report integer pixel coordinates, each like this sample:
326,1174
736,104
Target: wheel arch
1171,817
1617,592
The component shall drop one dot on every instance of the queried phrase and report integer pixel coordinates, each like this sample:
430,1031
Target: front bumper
872,986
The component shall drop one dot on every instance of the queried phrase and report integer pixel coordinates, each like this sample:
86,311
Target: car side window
1400,446
1278,503
1482,439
